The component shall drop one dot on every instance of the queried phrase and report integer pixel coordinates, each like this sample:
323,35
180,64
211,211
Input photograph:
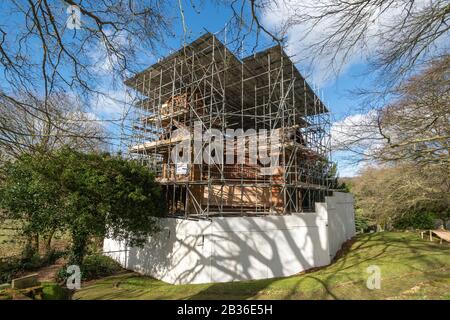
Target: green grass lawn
411,268
52,291
11,243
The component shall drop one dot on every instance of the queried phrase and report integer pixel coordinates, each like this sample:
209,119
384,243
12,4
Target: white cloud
353,140
358,129
111,103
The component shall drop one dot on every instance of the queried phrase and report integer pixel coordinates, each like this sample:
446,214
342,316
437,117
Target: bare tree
43,47
53,46
417,126
43,128
414,127
402,33
388,193
40,55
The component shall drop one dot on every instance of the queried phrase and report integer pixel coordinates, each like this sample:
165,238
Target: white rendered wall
341,220
241,248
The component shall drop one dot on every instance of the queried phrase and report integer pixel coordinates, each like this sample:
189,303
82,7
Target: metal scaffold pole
206,83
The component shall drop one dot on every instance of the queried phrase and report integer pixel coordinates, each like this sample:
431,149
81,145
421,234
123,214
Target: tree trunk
28,246
36,242
79,248
48,244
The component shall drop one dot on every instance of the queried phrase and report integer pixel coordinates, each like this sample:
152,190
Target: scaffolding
205,84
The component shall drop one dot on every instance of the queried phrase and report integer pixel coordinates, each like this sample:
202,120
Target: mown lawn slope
411,268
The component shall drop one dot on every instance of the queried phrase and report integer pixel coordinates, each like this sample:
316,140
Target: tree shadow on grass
346,277
390,252
422,263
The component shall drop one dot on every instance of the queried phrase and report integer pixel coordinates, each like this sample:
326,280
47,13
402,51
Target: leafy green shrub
94,266
9,268
98,266
13,266
361,223
30,259
62,275
421,220
85,195
52,255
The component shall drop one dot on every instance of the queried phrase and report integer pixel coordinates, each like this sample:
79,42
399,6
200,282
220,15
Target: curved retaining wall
241,248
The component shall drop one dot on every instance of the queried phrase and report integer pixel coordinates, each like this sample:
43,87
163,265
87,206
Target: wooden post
431,236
